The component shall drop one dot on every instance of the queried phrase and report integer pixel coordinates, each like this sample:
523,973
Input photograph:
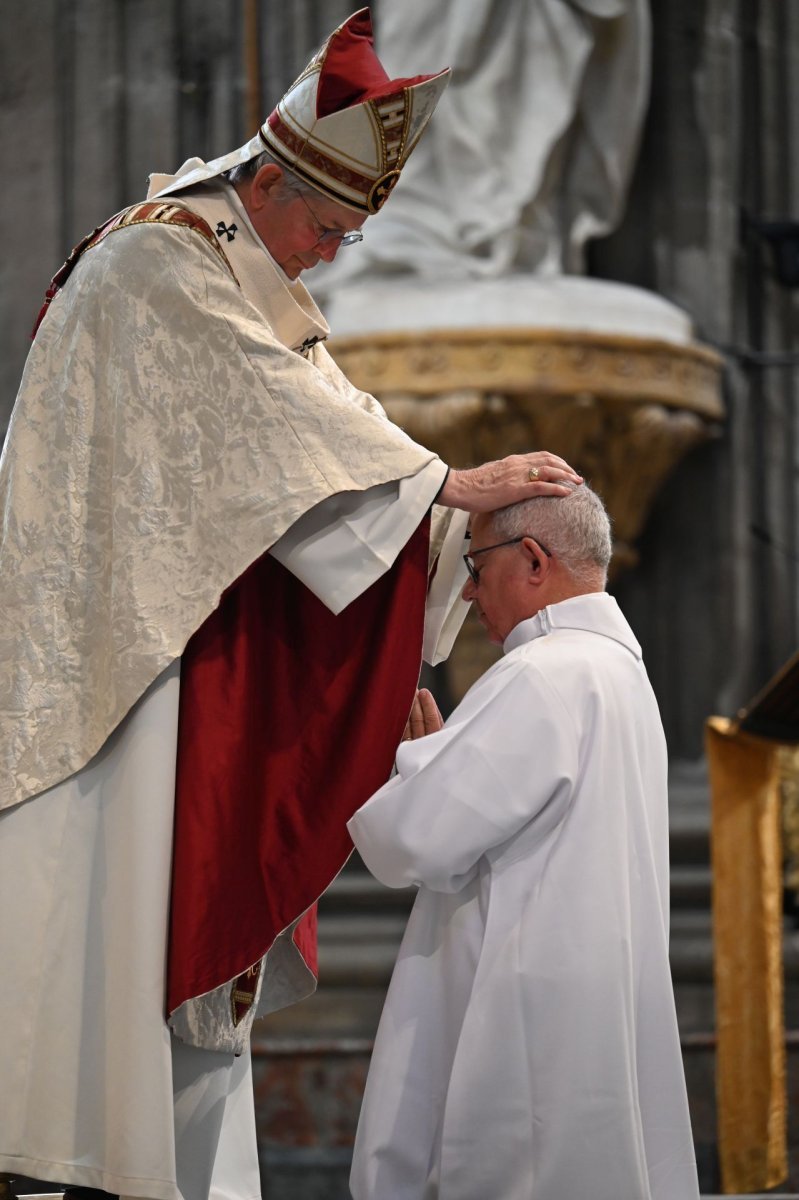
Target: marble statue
534,141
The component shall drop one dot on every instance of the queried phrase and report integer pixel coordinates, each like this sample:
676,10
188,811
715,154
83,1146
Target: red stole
289,720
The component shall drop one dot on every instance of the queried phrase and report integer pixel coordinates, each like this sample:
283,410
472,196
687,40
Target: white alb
528,1048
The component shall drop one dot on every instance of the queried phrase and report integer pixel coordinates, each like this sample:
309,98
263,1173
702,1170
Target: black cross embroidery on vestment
230,230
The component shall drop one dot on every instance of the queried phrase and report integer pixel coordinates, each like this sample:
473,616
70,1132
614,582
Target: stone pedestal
604,375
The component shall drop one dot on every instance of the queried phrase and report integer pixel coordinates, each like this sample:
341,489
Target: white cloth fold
85,1054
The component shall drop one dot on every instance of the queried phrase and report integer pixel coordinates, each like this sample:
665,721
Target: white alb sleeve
342,545
506,757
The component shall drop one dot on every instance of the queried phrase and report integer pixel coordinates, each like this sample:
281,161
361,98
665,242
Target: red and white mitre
344,126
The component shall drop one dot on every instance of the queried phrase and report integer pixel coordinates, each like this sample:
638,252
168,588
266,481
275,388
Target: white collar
594,612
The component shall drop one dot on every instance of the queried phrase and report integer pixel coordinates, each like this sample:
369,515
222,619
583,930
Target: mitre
343,126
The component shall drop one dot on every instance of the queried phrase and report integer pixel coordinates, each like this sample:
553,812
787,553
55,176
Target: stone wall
714,600
96,94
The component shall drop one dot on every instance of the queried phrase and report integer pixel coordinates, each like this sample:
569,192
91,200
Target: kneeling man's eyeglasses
474,574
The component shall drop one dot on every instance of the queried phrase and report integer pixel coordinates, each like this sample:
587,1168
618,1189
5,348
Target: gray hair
248,170
575,528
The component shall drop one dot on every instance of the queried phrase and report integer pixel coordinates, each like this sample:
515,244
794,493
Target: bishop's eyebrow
334,226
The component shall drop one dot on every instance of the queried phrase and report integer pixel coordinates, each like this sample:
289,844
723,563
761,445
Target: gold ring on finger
533,473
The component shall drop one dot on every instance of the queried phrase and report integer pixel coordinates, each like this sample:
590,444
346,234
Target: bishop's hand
508,480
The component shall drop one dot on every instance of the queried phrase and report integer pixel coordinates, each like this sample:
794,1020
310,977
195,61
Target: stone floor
310,1061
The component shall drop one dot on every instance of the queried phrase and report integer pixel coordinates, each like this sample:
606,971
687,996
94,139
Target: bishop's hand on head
508,480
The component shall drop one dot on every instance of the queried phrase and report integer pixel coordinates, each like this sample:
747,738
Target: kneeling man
528,1049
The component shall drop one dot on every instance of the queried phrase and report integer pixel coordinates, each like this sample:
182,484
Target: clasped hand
425,717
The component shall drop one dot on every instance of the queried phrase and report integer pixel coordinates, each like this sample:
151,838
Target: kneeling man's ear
539,561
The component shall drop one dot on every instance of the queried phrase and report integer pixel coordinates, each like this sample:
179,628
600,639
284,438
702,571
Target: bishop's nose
328,250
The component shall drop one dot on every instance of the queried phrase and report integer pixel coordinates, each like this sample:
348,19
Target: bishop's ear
265,184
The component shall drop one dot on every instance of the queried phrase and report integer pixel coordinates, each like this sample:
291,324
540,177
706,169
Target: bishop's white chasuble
177,418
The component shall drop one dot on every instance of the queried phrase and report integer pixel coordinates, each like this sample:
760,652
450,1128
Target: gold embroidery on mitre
381,190
392,118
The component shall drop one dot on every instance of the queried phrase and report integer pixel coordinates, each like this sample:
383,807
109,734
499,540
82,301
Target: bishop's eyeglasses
326,235
474,574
